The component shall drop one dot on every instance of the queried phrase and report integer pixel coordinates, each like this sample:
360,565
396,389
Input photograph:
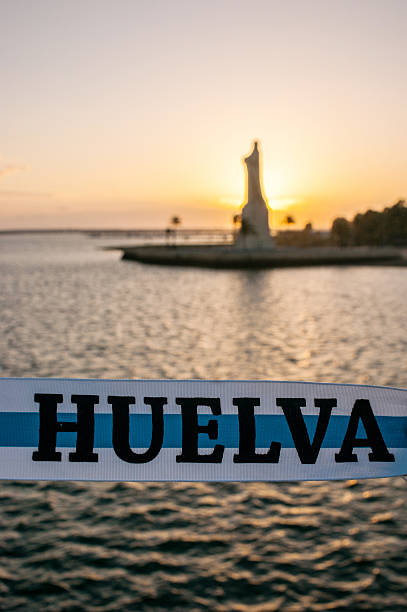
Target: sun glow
275,202
231,201
283,202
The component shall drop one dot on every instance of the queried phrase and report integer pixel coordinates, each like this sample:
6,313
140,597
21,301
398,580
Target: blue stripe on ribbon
22,429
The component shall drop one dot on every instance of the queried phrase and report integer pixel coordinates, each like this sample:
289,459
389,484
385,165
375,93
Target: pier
229,256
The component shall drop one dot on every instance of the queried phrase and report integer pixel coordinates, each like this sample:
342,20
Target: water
69,309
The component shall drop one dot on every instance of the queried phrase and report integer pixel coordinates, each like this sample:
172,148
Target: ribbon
195,430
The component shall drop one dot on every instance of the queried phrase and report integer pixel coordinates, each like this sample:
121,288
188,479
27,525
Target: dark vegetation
372,228
302,238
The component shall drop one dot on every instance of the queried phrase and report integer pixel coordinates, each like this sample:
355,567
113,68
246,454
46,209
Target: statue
254,231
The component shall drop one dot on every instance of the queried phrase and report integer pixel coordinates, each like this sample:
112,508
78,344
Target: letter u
121,427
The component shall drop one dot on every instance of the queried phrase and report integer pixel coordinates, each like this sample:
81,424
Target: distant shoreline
111,231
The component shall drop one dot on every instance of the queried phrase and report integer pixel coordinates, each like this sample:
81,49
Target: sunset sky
121,113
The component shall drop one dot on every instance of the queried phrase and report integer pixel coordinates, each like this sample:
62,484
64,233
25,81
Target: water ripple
70,310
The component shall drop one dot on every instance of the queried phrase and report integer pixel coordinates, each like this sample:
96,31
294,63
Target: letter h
50,426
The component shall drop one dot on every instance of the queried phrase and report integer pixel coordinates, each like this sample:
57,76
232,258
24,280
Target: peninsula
253,245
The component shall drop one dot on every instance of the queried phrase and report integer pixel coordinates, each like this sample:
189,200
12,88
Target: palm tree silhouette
288,220
175,222
236,220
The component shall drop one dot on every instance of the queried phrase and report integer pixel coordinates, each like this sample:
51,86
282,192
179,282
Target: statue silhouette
254,232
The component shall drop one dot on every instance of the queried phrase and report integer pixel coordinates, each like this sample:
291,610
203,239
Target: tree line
373,228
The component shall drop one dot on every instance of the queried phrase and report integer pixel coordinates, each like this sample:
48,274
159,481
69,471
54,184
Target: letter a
362,411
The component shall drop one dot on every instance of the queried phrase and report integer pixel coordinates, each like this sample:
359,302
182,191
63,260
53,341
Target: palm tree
247,227
175,222
288,220
236,220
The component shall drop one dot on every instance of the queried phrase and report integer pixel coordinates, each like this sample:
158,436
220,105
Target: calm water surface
69,309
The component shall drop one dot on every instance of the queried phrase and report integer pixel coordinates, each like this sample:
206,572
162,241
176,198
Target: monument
253,246
254,231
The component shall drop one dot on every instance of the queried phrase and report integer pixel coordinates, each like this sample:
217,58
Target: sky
123,113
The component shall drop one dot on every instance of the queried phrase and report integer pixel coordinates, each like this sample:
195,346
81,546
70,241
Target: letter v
308,452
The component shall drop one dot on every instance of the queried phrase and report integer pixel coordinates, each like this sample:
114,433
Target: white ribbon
194,430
